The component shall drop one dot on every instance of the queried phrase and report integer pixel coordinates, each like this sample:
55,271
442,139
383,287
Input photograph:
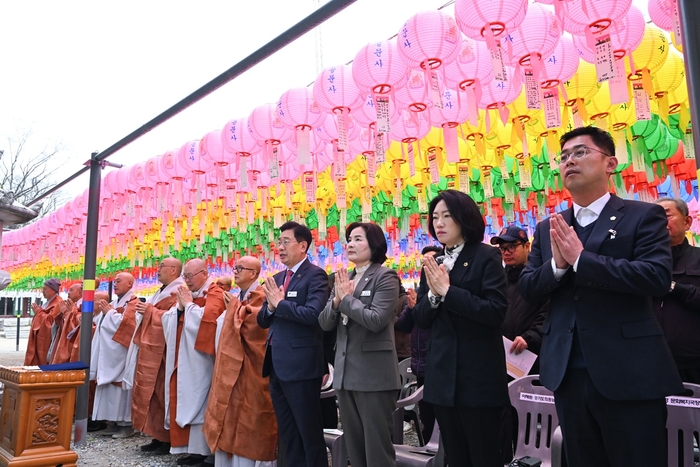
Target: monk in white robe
108,358
190,332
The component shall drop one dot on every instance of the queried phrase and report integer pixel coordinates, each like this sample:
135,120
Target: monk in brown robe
148,397
67,323
239,423
40,331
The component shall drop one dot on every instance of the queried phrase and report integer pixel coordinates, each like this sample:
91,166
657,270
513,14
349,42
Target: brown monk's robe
240,419
213,303
40,333
148,396
63,349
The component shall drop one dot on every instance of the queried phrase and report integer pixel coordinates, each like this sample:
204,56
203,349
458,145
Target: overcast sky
90,72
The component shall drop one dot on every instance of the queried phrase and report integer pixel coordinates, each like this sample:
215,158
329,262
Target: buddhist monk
190,333
108,359
224,283
239,423
40,331
148,397
65,324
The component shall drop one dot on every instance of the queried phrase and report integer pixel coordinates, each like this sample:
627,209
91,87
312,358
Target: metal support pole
81,406
18,312
690,19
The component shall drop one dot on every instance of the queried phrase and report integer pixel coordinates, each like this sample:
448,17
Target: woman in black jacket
462,299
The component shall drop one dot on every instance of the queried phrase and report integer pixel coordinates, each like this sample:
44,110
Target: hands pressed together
184,297
273,294
566,246
343,286
436,275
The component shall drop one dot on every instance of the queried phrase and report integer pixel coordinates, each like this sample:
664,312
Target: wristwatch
435,299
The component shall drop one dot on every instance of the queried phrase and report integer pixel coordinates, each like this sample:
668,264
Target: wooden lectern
37,417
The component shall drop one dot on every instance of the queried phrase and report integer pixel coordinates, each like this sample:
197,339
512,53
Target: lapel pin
612,218
366,279
613,233
466,264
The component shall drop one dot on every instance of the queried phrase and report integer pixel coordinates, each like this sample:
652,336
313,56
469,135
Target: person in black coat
463,302
678,311
603,352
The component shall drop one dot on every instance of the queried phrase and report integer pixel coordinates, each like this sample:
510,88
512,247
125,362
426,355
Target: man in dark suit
603,352
294,355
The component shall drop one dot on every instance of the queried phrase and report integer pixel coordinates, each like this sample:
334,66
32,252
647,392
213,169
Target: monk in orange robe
148,397
239,423
40,331
69,321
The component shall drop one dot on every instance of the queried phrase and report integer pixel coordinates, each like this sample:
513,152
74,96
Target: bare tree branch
27,167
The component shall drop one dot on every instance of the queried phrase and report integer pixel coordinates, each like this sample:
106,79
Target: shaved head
195,274
75,292
169,270
101,296
247,270
123,283
224,283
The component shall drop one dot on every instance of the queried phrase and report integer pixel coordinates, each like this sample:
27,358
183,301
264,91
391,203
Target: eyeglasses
190,276
578,153
510,248
286,242
241,268
161,266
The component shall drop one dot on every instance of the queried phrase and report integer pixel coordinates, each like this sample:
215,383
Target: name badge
366,293
292,294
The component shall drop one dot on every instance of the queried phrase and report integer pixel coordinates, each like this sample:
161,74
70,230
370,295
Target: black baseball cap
510,234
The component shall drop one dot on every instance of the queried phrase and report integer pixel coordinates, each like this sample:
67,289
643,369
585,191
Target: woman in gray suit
366,375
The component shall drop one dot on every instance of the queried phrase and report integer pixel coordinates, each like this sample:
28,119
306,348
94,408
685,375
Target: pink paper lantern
661,13
589,16
472,67
366,115
535,38
112,184
237,137
478,18
428,40
378,69
562,64
413,95
328,131
498,93
410,127
266,125
625,35
212,151
297,108
190,157
454,110
170,166
335,90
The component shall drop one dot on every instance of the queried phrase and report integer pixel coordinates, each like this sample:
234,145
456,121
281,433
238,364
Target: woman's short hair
465,213
375,239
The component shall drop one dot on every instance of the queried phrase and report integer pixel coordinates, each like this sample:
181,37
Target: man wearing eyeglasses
190,329
145,368
523,321
294,356
239,422
603,352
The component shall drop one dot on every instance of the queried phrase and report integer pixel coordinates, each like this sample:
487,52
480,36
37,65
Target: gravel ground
102,451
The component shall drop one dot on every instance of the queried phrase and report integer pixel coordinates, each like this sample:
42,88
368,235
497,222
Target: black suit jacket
466,360
626,261
295,333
